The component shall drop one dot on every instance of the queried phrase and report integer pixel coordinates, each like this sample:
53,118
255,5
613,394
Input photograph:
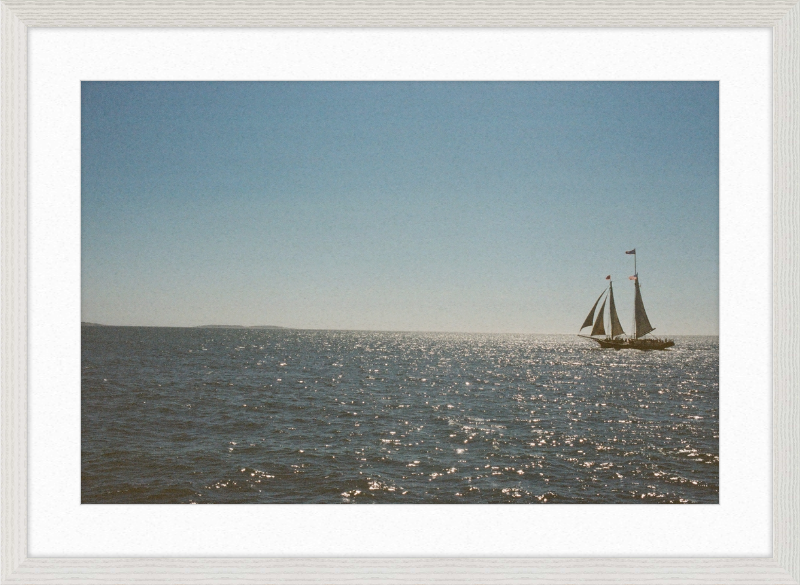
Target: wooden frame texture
781,16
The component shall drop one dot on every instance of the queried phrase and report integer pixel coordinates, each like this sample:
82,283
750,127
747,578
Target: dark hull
640,344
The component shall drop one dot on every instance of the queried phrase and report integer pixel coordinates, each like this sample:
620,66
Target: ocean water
181,415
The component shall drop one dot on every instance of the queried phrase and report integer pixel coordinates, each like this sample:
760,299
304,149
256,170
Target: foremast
616,326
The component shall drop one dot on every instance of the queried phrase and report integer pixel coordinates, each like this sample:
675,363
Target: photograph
400,292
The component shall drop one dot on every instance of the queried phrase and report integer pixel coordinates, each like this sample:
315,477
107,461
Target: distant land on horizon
239,327
277,327
89,324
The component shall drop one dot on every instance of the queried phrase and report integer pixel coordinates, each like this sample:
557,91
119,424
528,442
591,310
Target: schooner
614,337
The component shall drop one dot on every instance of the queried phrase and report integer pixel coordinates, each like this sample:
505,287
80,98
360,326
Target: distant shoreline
238,327
89,324
280,328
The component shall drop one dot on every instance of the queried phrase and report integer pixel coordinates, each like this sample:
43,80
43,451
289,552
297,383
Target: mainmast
641,324
635,279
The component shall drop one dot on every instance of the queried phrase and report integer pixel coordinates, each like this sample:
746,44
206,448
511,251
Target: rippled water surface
173,415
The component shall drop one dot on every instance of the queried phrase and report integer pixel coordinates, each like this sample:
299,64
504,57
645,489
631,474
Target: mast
641,324
635,279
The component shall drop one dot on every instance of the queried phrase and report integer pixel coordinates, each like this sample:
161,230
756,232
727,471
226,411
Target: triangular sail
599,328
643,326
590,318
616,326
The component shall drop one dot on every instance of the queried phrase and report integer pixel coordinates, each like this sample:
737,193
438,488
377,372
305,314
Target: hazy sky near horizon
413,206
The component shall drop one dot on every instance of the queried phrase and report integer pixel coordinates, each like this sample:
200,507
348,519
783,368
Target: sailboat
614,338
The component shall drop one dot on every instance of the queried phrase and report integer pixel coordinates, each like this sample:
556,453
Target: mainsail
616,326
599,328
643,326
590,318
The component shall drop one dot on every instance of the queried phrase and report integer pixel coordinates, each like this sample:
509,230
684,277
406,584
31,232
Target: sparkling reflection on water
173,415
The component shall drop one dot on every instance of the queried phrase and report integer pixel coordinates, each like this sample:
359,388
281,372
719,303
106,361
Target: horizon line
281,327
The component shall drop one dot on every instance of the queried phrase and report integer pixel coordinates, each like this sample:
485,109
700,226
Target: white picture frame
783,17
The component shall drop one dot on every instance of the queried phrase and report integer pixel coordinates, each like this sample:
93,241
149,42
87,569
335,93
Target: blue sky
453,206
